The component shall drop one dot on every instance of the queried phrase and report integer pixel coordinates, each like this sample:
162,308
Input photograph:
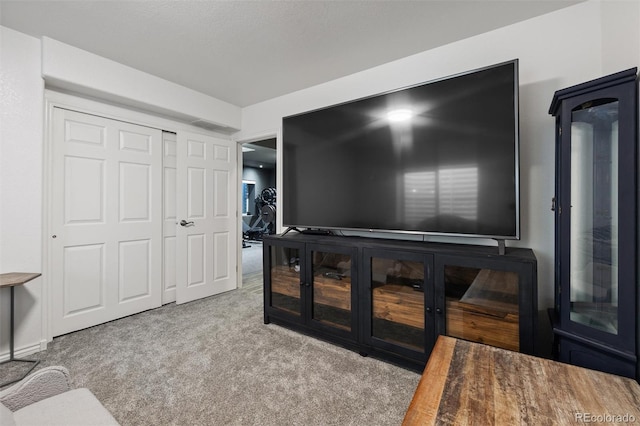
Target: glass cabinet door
482,305
593,275
398,302
331,288
285,279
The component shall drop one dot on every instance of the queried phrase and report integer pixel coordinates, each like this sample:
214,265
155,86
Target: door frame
55,99
255,137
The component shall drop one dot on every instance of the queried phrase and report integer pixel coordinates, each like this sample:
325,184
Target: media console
392,298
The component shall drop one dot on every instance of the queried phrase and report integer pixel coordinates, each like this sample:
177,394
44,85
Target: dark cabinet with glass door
283,278
332,300
595,314
489,300
399,302
311,285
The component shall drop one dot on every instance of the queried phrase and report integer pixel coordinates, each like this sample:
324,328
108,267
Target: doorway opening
258,195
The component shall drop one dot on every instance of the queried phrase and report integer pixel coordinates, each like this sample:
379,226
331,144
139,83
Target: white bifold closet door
106,223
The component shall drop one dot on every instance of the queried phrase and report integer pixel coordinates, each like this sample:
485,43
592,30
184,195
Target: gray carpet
252,257
214,362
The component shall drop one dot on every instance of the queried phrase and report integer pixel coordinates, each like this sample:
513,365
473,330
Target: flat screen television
438,158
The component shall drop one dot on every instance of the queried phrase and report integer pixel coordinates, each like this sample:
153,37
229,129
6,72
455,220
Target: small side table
13,279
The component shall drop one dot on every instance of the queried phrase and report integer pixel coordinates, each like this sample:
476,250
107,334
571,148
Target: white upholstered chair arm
42,384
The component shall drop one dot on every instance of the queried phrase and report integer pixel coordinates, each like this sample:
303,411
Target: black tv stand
392,298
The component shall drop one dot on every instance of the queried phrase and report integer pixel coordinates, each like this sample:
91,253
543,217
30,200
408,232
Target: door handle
185,223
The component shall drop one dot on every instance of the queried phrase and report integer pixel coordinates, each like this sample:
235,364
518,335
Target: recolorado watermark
604,418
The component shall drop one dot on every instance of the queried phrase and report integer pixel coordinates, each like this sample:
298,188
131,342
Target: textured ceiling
244,52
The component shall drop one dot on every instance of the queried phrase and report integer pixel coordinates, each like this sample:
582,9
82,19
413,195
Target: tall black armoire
595,317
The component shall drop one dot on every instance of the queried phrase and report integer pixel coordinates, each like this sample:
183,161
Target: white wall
21,133
557,50
620,35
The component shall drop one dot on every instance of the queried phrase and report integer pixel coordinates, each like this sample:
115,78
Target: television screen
436,158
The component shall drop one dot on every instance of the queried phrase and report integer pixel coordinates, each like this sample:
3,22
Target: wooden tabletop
11,279
470,383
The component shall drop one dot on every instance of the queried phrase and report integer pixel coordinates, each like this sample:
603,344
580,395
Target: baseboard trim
25,351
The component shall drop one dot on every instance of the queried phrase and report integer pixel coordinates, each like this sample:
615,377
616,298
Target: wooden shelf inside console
285,281
399,304
332,292
488,310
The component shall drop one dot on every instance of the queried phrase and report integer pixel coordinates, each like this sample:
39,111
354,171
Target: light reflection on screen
458,192
449,192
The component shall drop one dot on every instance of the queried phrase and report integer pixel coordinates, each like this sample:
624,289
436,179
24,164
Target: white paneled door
206,212
106,226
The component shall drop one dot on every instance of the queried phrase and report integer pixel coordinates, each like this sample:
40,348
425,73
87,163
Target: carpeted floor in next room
214,362
252,267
